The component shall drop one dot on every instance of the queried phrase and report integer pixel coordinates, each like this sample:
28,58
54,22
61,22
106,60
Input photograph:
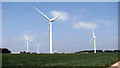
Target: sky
71,32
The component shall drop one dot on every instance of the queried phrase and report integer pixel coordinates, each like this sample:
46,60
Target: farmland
78,59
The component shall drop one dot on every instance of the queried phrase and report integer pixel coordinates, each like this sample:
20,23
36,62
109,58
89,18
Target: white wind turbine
27,42
38,45
50,26
94,38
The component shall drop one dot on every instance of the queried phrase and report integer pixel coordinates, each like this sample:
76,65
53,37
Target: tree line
5,50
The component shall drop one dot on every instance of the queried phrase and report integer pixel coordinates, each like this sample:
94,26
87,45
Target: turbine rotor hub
51,20
94,37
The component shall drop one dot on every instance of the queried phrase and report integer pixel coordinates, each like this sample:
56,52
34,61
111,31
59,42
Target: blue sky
71,32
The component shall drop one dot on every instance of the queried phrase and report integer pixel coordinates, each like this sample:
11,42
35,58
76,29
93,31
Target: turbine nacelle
29,40
94,37
51,20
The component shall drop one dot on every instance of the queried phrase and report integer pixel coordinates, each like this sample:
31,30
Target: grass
78,59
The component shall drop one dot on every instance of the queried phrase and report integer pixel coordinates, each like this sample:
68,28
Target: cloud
105,22
64,15
84,25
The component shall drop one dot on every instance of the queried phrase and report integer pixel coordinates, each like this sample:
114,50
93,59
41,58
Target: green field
79,59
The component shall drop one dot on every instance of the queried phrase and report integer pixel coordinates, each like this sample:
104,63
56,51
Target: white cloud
84,25
105,22
64,15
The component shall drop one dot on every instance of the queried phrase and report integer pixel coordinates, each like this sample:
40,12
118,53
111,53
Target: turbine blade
55,18
48,29
90,39
93,32
42,13
25,37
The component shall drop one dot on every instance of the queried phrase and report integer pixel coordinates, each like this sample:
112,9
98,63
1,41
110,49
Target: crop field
78,59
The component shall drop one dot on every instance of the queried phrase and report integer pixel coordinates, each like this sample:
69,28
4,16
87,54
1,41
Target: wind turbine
27,42
94,39
38,48
49,27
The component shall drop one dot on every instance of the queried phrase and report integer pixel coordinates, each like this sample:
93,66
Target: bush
108,51
4,50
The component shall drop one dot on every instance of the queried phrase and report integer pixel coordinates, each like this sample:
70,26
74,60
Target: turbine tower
94,39
38,48
50,26
27,41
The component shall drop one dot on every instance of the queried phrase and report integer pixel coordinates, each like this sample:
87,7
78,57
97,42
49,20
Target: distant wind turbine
94,38
50,26
27,42
38,45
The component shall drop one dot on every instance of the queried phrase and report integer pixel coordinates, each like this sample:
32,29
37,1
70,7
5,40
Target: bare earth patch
116,65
